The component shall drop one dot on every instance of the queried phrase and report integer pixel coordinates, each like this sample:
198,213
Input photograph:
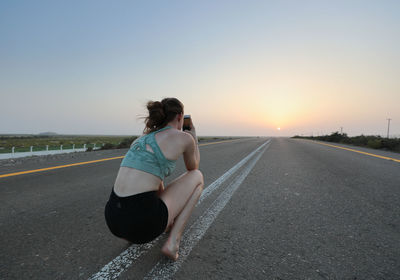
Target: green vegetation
39,142
22,143
124,143
375,142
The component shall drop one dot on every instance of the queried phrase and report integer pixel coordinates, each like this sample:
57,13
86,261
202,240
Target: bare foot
170,249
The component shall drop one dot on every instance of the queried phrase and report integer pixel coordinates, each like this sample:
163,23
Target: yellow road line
357,151
85,162
57,167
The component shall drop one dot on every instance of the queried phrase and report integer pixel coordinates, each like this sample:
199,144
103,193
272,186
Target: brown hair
161,113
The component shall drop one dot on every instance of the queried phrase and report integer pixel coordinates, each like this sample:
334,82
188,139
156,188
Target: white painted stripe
165,268
114,268
215,185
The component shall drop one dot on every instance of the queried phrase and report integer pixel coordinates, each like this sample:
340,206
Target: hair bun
156,109
160,113
156,114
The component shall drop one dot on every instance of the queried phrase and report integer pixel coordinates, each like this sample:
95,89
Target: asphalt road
290,209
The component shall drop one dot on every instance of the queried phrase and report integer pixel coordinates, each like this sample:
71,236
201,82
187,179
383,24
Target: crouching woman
140,208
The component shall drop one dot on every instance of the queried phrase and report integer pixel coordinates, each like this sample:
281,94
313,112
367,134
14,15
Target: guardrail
16,149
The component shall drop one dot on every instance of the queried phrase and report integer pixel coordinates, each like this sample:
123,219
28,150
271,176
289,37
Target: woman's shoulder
176,133
179,137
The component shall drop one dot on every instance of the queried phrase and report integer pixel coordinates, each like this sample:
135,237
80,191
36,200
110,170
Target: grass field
22,143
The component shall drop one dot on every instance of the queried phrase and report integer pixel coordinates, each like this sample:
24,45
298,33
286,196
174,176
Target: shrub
391,144
374,143
107,146
360,140
126,142
371,141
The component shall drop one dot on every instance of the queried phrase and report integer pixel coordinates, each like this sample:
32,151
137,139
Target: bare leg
171,246
180,200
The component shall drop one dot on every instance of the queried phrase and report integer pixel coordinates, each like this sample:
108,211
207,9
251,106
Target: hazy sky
240,67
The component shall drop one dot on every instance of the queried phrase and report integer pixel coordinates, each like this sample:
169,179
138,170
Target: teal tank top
155,162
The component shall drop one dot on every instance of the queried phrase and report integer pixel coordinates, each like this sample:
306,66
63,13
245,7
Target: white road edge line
165,268
123,261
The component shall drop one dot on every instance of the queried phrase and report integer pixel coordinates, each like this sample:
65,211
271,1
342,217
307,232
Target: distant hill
49,133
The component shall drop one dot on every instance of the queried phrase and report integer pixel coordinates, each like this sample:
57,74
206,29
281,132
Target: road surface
272,208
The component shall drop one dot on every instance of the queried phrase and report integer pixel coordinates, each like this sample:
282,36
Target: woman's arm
191,155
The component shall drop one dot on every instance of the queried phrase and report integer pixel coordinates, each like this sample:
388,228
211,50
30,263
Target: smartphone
186,122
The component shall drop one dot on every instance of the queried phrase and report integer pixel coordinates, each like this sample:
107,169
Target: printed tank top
153,162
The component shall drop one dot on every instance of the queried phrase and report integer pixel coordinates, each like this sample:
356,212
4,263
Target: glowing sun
278,128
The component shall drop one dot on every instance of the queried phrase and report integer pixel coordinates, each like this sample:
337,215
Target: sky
241,68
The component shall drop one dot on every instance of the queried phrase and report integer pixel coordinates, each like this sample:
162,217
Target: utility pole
388,127
341,130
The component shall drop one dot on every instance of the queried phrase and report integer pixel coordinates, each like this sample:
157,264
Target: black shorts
139,218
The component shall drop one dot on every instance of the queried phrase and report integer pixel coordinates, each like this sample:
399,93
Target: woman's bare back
131,181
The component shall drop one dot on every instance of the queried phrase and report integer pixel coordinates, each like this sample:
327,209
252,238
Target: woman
139,208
